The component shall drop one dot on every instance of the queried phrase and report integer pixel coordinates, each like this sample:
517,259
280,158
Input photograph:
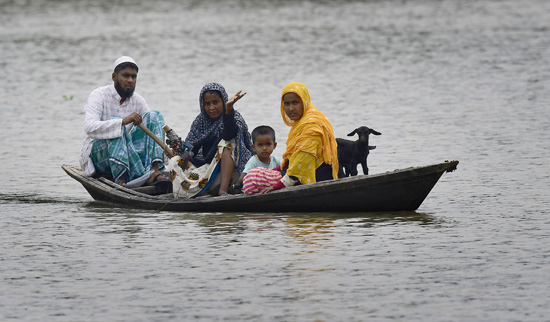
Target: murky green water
442,80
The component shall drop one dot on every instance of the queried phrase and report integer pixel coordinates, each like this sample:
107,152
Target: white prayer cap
124,59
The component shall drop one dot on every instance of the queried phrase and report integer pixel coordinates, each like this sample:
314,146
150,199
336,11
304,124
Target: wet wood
399,190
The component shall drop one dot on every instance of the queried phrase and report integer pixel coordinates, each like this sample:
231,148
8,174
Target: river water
441,80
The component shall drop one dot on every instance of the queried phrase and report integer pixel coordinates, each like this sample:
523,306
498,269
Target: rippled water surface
442,80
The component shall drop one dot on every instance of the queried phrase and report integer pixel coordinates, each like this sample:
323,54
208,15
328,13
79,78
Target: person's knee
153,117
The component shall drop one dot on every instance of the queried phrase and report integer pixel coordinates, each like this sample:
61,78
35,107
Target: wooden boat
399,190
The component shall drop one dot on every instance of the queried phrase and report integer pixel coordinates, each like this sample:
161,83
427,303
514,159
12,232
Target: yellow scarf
305,132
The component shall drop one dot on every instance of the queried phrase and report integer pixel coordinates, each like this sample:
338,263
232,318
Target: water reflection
132,224
396,218
300,225
310,230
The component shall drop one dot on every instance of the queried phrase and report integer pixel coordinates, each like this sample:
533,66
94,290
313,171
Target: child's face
292,103
264,146
213,105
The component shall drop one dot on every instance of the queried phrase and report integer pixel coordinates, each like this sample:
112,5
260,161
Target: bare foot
156,176
121,181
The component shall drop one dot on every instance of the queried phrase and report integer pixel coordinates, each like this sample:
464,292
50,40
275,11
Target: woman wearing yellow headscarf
311,149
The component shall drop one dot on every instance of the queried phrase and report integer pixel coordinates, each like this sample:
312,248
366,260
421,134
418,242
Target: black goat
351,153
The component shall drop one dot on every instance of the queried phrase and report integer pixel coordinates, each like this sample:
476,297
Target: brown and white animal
351,153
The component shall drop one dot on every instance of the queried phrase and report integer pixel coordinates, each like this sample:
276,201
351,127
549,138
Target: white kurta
102,105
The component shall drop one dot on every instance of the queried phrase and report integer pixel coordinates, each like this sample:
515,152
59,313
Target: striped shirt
260,178
103,119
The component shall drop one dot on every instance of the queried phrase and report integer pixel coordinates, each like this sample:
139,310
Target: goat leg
365,168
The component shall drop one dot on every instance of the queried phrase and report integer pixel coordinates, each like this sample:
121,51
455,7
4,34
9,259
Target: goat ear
373,131
372,147
353,133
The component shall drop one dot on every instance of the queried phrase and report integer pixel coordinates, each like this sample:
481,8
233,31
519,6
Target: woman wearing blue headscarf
221,143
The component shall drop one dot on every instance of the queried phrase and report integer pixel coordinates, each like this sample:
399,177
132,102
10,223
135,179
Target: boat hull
399,190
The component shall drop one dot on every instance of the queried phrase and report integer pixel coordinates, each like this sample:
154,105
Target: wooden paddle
169,152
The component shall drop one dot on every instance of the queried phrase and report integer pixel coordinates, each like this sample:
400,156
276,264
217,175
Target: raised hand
233,100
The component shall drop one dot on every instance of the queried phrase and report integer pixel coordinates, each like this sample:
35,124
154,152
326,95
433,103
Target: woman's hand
132,118
233,100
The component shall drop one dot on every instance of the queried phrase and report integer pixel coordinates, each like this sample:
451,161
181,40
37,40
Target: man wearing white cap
113,143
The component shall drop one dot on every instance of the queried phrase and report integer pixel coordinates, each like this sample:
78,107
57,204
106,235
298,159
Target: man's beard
124,94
